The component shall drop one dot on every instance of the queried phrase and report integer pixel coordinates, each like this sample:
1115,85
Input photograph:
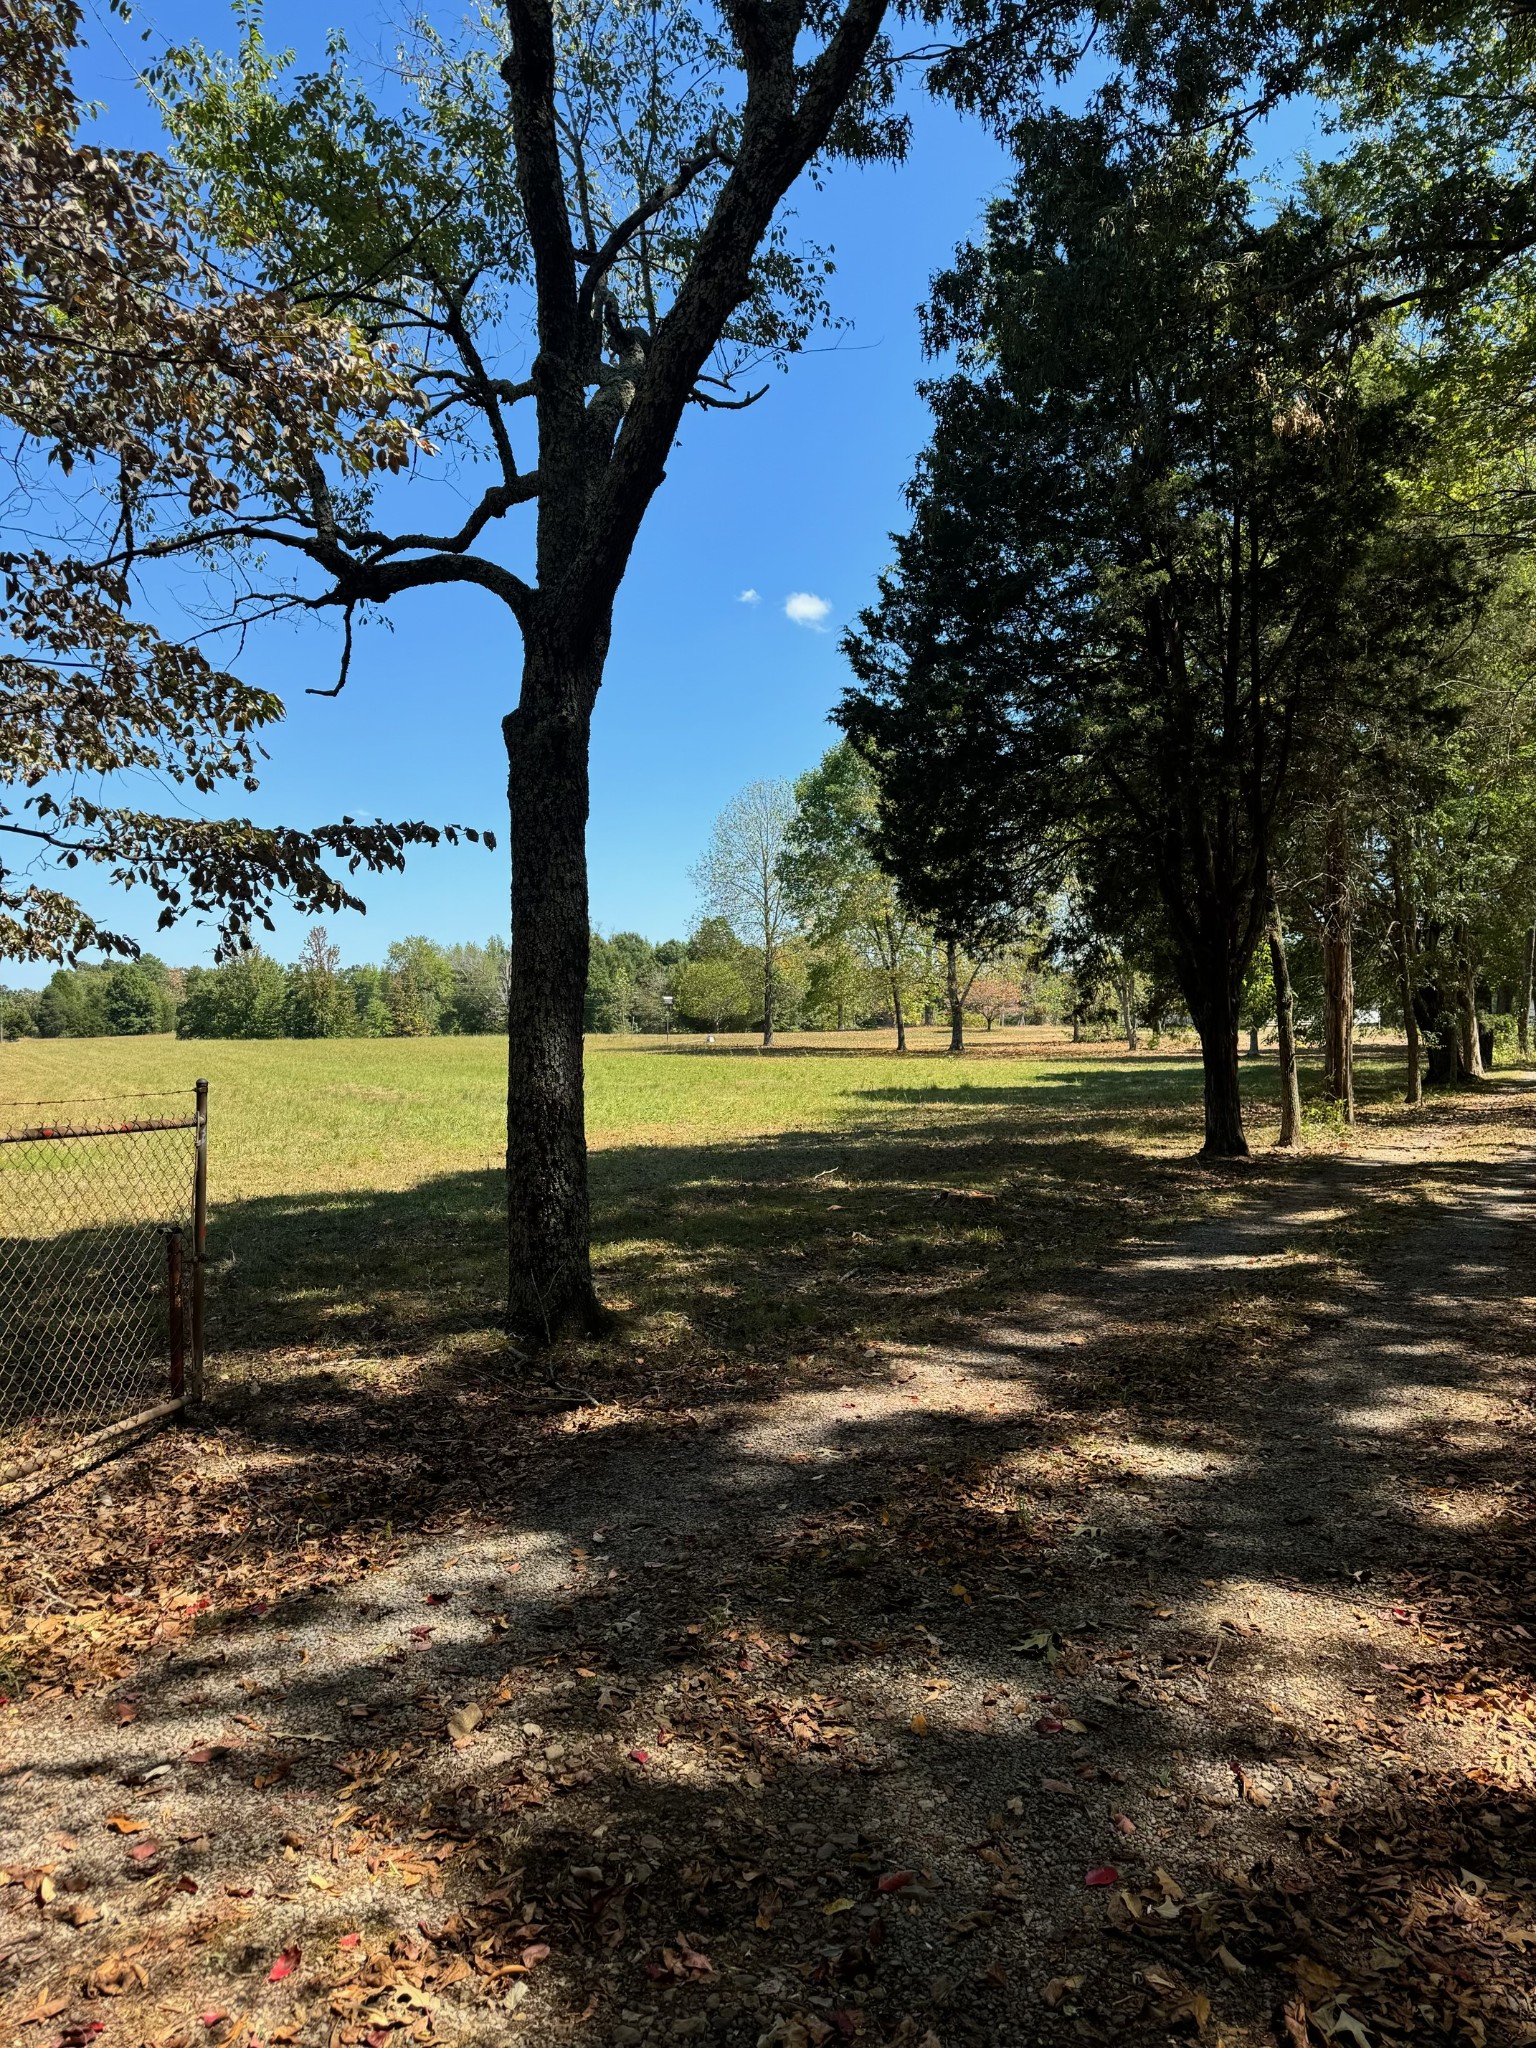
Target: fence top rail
39,1132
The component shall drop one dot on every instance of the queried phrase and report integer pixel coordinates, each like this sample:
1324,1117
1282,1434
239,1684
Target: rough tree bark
1126,989
1405,950
1527,991
1338,968
547,1205
1285,1027
1217,1025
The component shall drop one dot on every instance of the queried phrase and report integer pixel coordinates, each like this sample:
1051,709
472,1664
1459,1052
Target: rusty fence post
199,1239
176,1312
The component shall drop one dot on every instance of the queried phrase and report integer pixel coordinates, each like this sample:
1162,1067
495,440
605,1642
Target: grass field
743,1203
292,1116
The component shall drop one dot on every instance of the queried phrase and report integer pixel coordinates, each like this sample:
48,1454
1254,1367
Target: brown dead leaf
1060,1988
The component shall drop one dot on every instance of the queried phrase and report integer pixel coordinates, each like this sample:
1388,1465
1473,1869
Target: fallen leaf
124,1713
285,1965
1124,1823
919,1724
349,1941
894,1881
463,1721
1102,1874
1058,1988
124,1826
535,1952
1229,1962
639,1756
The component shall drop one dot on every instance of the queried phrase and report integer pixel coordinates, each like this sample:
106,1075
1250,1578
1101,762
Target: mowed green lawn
293,1116
745,1205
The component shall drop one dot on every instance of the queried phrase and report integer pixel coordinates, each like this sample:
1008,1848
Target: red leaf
285,1965
141,1852
125,1713
1047,1725
1106,1873
894,1880
639,1756
349,1941
211,2019
535,1952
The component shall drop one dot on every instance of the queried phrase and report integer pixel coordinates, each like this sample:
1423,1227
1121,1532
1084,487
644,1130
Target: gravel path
1153,1665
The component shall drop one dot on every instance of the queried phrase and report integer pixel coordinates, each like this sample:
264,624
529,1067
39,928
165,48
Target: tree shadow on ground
1118,1499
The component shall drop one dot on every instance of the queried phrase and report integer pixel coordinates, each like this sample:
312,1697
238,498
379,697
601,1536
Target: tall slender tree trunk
549,1272
1285,1028
1527,992
952,991
767,992
1471,1037
1127,993
1403,927
901,1022
1338,968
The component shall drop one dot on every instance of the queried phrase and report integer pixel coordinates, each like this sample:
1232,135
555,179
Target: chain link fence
103,1208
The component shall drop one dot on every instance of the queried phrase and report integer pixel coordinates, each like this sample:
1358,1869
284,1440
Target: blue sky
704,692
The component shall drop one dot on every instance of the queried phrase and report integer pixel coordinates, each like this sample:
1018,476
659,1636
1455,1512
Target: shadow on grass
1091,1401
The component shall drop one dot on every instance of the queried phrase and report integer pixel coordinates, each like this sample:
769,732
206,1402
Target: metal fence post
199,1239
175,1312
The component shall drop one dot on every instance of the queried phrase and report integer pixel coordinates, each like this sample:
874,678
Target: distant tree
837,983
18,1012
479,1000
740,877
712,994
245,998
418,987
834,882
132,1005
318,1003
367,986
994,992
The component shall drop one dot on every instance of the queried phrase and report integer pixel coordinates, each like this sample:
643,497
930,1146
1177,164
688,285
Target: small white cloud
749,596
804,608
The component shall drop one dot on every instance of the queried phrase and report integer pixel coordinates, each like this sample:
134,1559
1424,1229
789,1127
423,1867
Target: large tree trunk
1224,1137
1285,1028
901,1022
952,991
767,993
1338,969
549,1272
1528,990
1404,935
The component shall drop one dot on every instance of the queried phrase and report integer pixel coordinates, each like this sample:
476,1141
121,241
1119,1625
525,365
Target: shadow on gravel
918,1555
